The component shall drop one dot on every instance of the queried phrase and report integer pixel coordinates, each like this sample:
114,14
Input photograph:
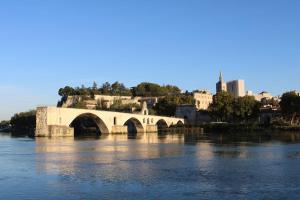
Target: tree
171,90
245,108
154,90
66,91
120,89
24,122
106,88
222,107
290,105
167,105
95,86
4,124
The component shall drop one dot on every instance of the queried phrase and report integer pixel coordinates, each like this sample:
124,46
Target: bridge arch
161,124
89,122
179,123
134,126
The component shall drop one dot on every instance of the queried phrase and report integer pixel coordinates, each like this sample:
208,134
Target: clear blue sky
45,45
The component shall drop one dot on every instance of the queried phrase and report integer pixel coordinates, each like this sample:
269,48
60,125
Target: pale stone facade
263,95
236,88
107,101
202,99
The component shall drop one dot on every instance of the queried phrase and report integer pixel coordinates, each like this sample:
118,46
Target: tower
221,85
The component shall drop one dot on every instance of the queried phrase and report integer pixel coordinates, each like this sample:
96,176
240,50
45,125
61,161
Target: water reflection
152,166
66,155
73,155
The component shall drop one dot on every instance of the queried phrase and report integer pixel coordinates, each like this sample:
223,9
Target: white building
236,88
203,99
263,95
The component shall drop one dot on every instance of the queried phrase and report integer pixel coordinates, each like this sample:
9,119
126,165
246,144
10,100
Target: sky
45,45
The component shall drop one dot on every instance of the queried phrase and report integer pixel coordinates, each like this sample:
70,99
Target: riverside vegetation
232,114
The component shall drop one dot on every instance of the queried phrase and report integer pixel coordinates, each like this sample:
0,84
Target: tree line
24,123
144,89
226,108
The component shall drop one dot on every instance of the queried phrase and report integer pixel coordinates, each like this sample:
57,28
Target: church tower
221,85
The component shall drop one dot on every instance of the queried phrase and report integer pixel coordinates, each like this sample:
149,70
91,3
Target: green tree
154,90
290,105
245,108
4,124
222,107
171,90
24,122
119,89
106,88
66,91
95,86
167,105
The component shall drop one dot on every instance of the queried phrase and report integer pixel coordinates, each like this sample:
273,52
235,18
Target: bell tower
221,85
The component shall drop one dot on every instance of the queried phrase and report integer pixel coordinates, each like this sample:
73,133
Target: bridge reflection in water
163,163
69,156
66,155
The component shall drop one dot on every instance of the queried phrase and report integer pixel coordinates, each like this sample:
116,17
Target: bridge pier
117,129
151,128
55,131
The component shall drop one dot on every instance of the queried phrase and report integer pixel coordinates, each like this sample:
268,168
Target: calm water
151,167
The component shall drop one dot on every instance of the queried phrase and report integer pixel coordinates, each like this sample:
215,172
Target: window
115,120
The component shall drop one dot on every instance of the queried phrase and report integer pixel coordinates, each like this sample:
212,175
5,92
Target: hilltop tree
66,91
119,89
106,88
154,90
95,86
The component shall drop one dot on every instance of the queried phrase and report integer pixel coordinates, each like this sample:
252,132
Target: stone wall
60,131
41,122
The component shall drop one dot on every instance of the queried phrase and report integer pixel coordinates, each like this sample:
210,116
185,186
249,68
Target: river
151,167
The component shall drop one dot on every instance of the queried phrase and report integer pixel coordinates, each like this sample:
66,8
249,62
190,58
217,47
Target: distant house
203,99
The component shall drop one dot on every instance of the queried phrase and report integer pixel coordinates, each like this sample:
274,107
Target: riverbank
247,128
231,128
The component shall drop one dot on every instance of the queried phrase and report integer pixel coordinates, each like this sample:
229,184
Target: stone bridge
53,121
